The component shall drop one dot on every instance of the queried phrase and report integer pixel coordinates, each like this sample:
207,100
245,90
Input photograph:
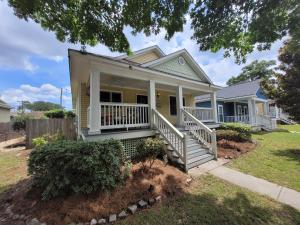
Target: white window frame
110,95
221,106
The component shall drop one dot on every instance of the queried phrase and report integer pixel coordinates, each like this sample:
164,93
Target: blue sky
34,65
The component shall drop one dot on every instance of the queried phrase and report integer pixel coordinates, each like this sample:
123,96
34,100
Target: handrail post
214,143
185,151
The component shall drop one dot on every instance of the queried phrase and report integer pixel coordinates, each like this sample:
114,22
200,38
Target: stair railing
171,134
200,131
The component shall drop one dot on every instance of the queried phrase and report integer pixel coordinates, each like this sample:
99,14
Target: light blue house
243,102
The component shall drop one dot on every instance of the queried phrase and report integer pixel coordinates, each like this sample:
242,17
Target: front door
221,113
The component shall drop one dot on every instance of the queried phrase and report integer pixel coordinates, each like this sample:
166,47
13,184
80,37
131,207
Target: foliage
70,114
66,167
285,87
236,26
45,139
127,170
253,71
244,130
148,150
92,22
19,122
39,106
229,135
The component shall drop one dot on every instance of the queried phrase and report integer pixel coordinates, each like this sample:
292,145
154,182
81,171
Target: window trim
110,95
136,98
221,106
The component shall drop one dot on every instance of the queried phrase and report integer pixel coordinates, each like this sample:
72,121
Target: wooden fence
7,132
39,127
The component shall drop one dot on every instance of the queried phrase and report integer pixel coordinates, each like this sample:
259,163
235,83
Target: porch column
179,99
266,108
251,110
151,100
234,108
95,113
213,97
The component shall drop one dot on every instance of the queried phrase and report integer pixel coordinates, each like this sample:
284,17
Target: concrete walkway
275,191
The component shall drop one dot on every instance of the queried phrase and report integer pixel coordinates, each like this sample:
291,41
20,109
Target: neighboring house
4,112
245,103
141,95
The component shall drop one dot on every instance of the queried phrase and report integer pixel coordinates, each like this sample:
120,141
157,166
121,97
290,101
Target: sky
34,64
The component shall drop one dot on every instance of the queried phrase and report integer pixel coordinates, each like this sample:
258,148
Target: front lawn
213,201
276,158
290,127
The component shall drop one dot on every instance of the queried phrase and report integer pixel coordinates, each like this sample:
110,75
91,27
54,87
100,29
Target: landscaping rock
93,222
151,201
158,198
132,209
102,221
22,217
112,218
16,217
34,221
142,204
8,210
189,180
122,214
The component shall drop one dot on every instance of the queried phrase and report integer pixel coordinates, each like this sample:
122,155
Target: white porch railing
237,119
200,131
174,137
201,113
123,115
266,121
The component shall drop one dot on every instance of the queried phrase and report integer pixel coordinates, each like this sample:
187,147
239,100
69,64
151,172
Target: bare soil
161,180
231,149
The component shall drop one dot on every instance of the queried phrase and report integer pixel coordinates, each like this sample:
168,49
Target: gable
173,66
260,94
144,58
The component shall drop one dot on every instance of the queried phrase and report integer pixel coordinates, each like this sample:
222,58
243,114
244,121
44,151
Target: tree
253,71
235,26
284,88
41,106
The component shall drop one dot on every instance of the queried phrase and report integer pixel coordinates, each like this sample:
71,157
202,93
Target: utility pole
61,94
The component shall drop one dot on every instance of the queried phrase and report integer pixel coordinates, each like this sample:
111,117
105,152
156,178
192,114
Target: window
173,107
221,113
239,107
110,96
142,99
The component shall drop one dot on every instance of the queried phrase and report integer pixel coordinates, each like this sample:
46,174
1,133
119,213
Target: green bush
70,114
45,139
55,113
66,167
148,150
244,130
230,135
19,122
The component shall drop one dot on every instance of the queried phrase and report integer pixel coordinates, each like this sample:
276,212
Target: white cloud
26,92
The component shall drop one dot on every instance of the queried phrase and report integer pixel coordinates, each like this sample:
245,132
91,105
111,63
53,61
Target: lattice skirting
130,146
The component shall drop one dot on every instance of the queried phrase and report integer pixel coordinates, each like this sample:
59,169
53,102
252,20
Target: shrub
45,139
148,150
19,122
55,113
244,130
65,167
230,135
70,114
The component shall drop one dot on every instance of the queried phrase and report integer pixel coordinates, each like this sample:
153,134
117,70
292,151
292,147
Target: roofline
171,55
5,106
137,67
227,99
141,51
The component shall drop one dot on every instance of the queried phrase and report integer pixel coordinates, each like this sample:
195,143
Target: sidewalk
275,191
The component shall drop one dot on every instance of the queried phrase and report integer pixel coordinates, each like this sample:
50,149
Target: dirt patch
162,180
16,144
231,149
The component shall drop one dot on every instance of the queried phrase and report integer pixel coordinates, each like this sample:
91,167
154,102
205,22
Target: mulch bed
161,180
231,149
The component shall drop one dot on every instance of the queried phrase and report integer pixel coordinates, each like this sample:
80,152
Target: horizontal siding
145,58
85,102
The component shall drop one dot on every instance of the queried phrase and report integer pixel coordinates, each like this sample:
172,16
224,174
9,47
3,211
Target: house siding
150,56
172,66
260,94
85,102
4,115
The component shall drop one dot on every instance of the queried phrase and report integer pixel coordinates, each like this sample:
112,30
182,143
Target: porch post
179,99
213,97
95,113
251,110
266,108
234,105
151,100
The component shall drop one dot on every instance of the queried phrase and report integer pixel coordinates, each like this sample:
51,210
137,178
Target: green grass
290,127
213,201
12,168
276,158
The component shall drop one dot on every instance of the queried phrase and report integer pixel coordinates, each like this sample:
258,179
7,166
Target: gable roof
4,105
187,57
235,91
143,51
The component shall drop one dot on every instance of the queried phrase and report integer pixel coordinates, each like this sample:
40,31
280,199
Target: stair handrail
200,131
171,134
267,121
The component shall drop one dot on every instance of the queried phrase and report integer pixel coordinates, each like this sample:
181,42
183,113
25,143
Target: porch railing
237,119
201,113
174,137
266,121
200,131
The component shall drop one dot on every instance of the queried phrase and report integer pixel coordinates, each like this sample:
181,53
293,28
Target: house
145,94
245,103
4,112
